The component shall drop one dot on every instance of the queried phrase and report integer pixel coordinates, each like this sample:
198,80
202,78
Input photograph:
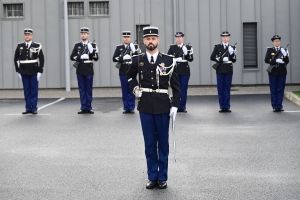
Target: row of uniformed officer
29,64
85,52
183,55
155,71
122,56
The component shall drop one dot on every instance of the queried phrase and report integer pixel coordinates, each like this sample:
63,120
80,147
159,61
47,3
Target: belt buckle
150,90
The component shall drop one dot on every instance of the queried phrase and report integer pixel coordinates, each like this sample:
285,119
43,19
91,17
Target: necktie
152,60
26,46
277,48
225,46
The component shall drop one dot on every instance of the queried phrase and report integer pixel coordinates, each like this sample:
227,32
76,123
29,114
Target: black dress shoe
227,110
182,110
126,111
276,110
151,184
281,110
131,111
222,110
162,184
89,112
82,112
26,112
34,112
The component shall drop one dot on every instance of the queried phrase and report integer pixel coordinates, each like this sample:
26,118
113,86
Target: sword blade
174,138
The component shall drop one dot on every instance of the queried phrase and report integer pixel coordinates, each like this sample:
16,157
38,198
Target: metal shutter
250,45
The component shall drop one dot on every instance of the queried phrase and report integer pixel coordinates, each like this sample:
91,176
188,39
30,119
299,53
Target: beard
151,48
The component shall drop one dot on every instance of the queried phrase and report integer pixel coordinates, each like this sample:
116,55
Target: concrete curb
292,97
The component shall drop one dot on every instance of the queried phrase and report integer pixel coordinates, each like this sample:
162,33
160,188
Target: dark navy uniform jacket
27,57
117,57
182,68
152,102
84,69
281,67
223,68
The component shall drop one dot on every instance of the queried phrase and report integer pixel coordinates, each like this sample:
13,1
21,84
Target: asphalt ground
251,153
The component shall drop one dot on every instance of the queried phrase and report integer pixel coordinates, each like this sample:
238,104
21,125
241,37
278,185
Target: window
250,45
99,8
13,10
139,32
75,9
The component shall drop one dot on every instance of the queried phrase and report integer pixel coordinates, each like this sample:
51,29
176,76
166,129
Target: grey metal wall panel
295,42
201,21
203,49
215,28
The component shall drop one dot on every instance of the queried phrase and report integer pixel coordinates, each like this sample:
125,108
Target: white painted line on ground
26,114
293,111
61,99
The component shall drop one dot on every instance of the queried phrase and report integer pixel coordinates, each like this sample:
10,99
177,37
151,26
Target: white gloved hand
137,92
90,47
173,112
279,60
184,49
178,59
132,47
38,76
84,56
126,57
231,50
283,51
225,59
20,76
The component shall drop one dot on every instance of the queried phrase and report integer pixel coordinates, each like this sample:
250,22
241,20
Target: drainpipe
67,61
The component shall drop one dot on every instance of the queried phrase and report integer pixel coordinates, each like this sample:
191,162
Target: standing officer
279,58
155,71
183,54
123,55
84,53
224,70
29,63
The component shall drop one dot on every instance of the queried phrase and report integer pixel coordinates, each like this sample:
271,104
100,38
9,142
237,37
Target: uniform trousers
156,139
30,87
85,86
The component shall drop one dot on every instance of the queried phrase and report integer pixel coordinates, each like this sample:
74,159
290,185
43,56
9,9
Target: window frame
99,16
77,16
4,11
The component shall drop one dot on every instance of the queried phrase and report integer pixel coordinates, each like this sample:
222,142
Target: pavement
251,153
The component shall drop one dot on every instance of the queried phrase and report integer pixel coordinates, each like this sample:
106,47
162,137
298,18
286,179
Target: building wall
201,20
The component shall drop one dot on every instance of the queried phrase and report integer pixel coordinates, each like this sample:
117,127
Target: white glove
184,49
225,59
20,76
231,50
38,76
279,60
137,92
84,56
132,47
173,112
90,47
283,52
126,57
178,59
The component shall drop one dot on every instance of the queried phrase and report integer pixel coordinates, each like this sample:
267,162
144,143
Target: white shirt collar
29,43
225,44
180,45
154,56
85,42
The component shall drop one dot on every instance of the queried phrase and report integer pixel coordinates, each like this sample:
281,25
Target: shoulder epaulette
119,45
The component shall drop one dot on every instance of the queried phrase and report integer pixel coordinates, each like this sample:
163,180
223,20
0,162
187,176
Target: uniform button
151,71
152,85
151,77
